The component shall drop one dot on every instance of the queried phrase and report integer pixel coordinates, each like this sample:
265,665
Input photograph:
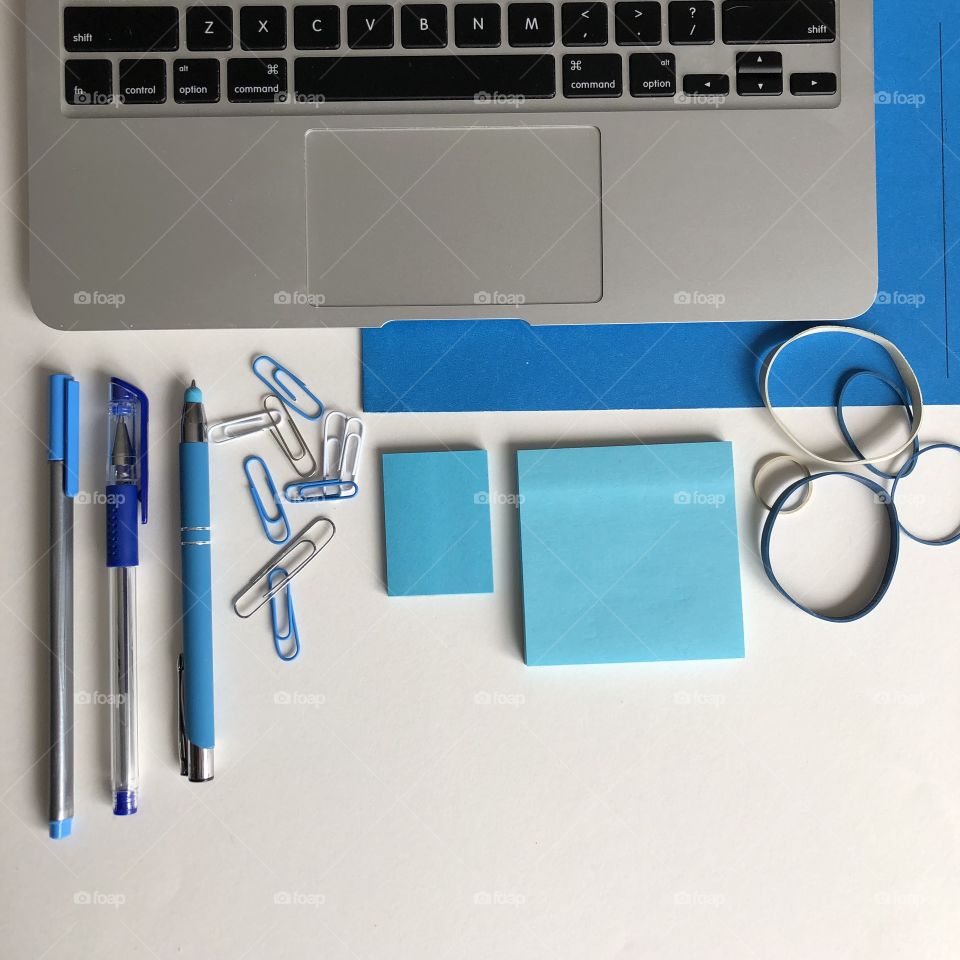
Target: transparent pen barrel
125,764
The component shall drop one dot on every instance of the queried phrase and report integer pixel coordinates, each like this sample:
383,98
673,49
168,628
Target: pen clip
181,733
120,390
64,429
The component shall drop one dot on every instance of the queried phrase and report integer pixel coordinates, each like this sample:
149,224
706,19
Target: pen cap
63,441
128,419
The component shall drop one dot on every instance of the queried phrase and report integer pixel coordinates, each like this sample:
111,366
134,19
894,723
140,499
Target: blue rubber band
911,463
883,497
851,443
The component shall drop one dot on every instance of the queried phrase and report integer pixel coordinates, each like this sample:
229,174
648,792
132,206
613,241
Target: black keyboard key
209,28
316,27
692,22
760,84
592,75
442,77
706,85
88,82
263,28
256,80
763,61
120,28
779,21
196,81
653,75
423,25
637,24
530,25
370,27
584,24
477,24
143,81
813,84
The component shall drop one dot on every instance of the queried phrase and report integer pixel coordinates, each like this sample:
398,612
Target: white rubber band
764,467
903,368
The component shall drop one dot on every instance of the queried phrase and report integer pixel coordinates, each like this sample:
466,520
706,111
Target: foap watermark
694,697
898,698
298,698
898,298
97,498
503,499
99,898
699,298
494,698
498,898
688,898
99,298
298,298
298,898
498,298
896,98
500,99
694,498
898,898
97,698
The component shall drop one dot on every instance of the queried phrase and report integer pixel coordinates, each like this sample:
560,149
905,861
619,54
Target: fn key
592,75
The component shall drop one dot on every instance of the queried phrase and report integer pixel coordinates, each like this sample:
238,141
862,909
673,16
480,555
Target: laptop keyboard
129,59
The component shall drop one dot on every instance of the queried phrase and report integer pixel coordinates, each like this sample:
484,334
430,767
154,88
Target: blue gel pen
128,415
195,666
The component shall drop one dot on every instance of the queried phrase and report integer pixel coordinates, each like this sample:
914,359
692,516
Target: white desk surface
371,803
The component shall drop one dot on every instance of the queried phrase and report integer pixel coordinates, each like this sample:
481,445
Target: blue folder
452,365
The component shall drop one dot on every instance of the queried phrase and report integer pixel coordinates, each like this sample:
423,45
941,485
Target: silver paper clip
238,427
310,491
299,455
342,443
291,559
286,635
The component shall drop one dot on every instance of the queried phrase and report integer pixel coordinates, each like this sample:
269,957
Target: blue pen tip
124,803
60,829
193,394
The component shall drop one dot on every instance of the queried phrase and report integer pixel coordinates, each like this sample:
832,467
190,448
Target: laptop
348,164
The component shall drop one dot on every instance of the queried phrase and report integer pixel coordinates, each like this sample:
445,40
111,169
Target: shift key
779,21
119,29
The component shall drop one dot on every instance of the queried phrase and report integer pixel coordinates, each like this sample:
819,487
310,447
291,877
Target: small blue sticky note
437,519
629,554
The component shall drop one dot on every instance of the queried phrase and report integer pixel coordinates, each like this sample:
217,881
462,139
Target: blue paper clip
267,520
290,635
317,490
275,383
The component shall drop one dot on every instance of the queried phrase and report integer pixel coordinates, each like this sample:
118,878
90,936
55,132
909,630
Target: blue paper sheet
506,365
629,554
437,523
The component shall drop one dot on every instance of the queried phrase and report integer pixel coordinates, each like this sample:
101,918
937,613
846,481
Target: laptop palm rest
478,215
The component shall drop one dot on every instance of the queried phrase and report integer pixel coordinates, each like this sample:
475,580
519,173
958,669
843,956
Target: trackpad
479,215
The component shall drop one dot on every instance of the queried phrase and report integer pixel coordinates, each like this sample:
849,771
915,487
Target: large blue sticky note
629,554
436,510
446,365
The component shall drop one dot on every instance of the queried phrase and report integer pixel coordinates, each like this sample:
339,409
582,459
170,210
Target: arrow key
760,84
706,84
763,61
813,84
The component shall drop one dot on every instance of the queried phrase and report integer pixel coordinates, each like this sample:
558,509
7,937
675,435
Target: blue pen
128,416
63,453
195,666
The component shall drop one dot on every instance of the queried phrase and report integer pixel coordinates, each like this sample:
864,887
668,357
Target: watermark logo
298,698
505,499
97,698
694,498
497,298
97,498
686,898
898,698
297,898
493,698
97,898
498,898
500,99
896,98
688,697
297,298
699,298
98,298
897,298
